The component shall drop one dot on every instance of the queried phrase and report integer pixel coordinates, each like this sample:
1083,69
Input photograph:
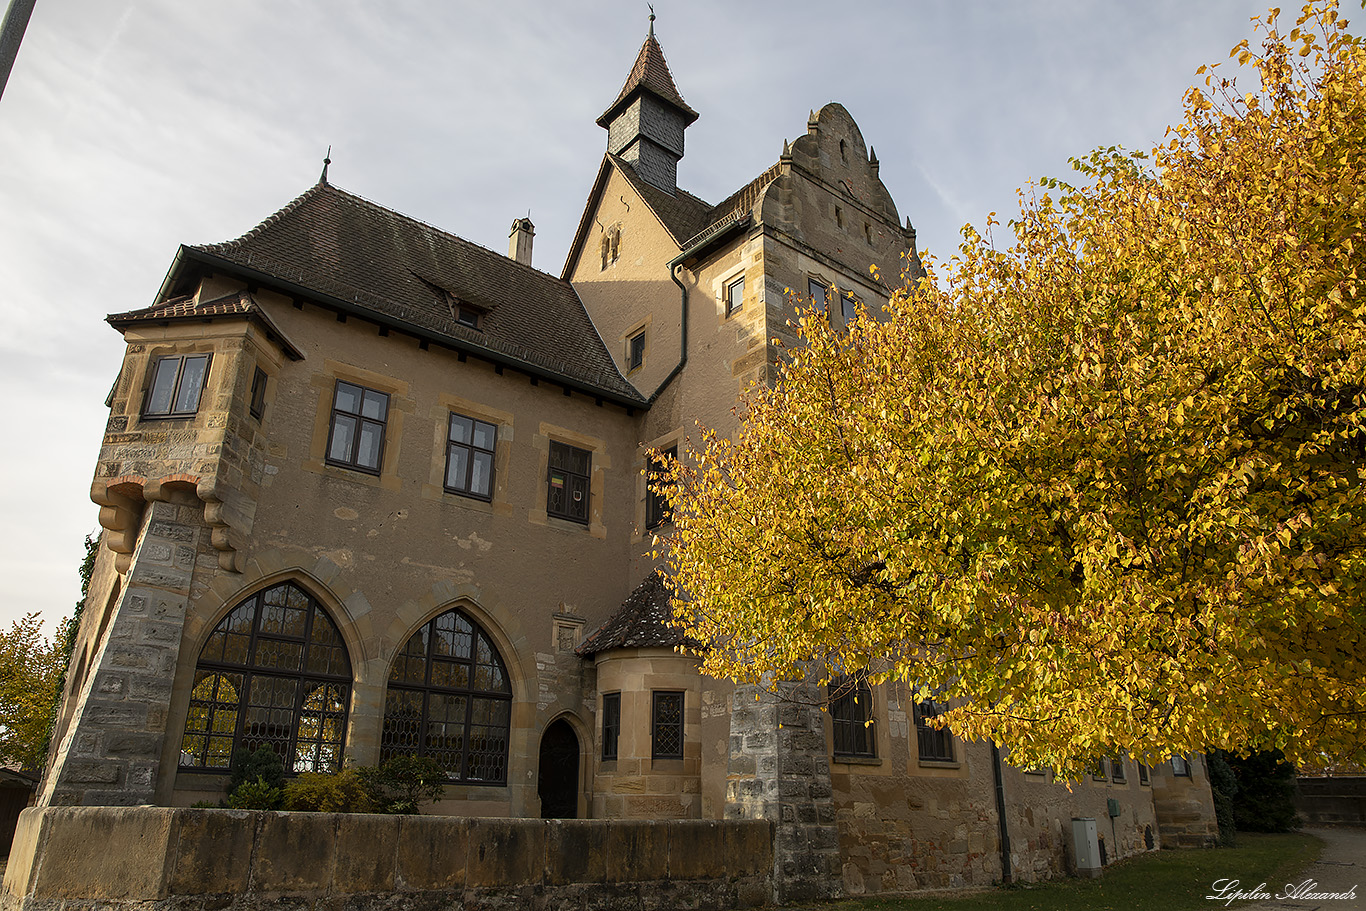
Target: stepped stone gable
477,536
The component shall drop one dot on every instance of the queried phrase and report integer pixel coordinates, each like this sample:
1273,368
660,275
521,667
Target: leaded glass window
450,698
666,726
274,672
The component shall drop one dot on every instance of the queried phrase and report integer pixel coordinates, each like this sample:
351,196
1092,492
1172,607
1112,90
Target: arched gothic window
274,672
449,698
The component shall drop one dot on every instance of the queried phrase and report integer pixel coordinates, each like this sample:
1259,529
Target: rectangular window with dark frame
257,405
635,351
1180,767
666,726
1142,773
851,717
848,307
1117,769
1098,770
611,725
470,446
936,744
657,502
568,484
818,293
735,296
177,383
359,417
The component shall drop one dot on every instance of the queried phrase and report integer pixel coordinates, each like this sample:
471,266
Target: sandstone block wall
237,859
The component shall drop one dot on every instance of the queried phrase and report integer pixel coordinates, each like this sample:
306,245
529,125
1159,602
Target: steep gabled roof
403,272
642,621
650,73
239,305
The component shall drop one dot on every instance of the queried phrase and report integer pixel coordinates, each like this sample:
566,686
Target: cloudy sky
128,128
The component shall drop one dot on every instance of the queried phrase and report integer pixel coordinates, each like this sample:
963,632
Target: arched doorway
558,785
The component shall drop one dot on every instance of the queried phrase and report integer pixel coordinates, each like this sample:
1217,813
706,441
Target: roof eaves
631,399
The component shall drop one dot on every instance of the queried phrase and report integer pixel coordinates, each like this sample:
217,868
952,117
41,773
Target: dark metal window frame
819,293
611,725
257,404
662,728
1182,771
657,504
1142,773
933,744
426,689
467,316
635,351
853,726
567,456
252,669
351,461
1117,773
470,450
735,296
171,410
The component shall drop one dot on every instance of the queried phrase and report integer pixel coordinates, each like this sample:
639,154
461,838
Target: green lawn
1165,881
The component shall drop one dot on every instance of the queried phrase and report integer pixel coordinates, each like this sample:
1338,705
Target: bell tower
645,124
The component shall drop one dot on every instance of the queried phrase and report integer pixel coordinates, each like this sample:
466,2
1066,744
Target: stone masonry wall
239,859
779,771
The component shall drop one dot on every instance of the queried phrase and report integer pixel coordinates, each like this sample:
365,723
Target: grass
1164,881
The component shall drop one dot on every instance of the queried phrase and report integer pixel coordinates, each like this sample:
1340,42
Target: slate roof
643,621
406,272
650,72
238,304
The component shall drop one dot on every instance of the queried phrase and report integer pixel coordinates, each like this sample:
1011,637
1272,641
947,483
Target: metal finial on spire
652,19
327,160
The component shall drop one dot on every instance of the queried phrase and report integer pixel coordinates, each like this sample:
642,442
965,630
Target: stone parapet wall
162,858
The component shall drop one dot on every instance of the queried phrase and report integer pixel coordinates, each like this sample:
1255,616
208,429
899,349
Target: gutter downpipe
1006,873
674,263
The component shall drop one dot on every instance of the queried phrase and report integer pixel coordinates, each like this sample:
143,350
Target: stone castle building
369,489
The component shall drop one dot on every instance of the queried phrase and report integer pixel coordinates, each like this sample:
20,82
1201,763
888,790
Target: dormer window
467,316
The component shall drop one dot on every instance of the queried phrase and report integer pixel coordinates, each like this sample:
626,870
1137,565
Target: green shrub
1265,801
255,795
401,784
1224,784
322,792
248,766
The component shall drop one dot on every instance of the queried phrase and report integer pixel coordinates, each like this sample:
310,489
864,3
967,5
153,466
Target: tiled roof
687,217
237,304
682,214
650,72
643,621
406,272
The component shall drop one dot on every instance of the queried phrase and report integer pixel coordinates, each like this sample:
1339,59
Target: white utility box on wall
1086,846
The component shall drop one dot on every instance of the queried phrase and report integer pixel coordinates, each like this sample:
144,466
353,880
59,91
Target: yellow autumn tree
1101,490
31,668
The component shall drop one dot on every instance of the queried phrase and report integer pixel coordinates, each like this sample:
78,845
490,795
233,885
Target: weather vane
652,19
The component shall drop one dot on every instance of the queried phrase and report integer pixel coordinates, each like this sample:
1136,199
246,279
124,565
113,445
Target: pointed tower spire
645,124
327,160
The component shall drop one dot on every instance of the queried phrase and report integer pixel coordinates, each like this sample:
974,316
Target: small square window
258,394
359,417
851,716
1098,770
635,351
656,502
936,744
177,383
568,484
470,446
611,725
467,316
666,726
735,296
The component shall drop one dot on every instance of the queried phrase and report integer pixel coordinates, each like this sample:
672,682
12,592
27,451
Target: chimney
519,240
